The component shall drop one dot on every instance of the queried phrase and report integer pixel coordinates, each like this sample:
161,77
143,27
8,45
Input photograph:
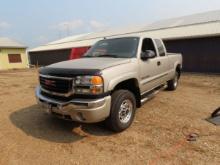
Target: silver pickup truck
116,76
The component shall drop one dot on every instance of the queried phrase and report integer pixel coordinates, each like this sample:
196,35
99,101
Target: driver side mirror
147,55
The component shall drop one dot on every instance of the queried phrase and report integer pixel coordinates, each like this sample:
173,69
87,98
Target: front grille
57,85
60,98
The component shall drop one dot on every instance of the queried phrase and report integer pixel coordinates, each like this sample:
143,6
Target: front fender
123,77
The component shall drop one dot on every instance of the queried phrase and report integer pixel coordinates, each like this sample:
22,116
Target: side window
160,47
148,45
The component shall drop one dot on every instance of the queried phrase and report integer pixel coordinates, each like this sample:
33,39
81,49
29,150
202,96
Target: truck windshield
114,48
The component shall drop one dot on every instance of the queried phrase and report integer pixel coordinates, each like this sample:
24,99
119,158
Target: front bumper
81,110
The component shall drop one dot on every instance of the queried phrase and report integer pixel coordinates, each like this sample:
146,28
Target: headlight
88,85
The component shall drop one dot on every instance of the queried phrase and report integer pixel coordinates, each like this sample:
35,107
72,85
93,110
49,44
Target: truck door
162,60
150,68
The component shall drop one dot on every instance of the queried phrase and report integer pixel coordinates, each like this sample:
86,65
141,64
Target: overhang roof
9,43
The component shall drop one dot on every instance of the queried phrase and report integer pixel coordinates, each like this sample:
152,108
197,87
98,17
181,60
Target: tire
172,84
123,107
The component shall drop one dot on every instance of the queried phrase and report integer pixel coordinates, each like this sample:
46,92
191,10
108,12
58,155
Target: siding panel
199,54
49,57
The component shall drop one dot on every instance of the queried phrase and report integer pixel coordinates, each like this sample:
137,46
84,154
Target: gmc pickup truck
115,76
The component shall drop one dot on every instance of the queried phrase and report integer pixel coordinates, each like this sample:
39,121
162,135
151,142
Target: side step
149,95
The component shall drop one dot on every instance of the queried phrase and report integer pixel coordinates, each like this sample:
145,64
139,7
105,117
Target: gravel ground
157,136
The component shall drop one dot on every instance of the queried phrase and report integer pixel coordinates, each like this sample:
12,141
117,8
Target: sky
36,22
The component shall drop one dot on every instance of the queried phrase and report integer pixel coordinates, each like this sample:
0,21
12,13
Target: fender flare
114,82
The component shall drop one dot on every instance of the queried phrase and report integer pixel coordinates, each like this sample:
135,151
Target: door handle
158,63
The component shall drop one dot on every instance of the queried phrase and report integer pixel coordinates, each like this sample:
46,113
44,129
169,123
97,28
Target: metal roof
200,18
67,39
9,43
197,25
65,45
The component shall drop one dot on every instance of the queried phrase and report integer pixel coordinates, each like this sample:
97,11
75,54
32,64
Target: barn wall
49,57
199,54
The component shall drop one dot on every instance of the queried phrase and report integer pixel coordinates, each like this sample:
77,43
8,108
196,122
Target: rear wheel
172,84
122,113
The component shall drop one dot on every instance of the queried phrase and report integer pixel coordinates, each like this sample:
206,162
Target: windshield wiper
87,56
108,55
104,55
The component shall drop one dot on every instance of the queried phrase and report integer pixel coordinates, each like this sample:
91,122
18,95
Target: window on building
14,58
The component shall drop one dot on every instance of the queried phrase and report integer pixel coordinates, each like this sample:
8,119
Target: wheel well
132,86
178,69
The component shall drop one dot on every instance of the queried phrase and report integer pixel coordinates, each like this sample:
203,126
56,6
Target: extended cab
115,76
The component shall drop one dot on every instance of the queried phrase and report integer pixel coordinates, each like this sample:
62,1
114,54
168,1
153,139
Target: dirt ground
157,136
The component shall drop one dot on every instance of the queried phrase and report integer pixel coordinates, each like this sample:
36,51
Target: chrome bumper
81,110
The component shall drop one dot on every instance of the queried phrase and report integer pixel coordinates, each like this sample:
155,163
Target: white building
196,36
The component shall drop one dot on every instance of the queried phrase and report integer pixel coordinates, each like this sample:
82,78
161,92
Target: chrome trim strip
156,78
145,77
55,77
89,103
57,94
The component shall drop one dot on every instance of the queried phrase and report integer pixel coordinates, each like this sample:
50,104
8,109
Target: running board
149,95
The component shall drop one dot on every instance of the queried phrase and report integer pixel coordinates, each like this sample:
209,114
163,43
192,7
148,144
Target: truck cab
116,76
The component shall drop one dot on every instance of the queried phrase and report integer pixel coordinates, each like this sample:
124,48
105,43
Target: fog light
60,107
80,116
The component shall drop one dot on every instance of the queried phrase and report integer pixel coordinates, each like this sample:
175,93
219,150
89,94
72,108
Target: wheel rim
125,111
176,81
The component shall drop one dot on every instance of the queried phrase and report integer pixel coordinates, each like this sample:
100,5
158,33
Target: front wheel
172,84
122,113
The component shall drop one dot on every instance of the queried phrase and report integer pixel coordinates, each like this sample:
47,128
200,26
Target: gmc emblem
50,83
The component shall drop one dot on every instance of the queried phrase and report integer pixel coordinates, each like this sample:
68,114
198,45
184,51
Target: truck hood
90,63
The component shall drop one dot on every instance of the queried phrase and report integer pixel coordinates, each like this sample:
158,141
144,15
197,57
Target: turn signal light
96,80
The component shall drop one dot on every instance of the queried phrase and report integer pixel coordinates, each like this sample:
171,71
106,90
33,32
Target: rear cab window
160,47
